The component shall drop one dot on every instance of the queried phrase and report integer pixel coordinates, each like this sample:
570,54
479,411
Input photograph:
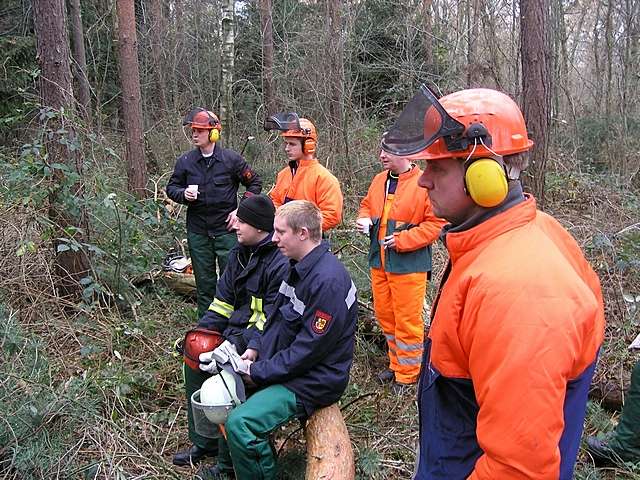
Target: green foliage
127,236
604,144
17,81
39,417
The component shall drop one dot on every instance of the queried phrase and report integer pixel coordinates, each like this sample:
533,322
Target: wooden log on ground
329,451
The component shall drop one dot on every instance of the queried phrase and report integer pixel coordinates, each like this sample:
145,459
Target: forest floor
93,391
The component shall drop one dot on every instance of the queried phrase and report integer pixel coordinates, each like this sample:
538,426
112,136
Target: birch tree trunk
226,83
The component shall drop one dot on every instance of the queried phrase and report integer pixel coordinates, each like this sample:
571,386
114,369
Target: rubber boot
626,441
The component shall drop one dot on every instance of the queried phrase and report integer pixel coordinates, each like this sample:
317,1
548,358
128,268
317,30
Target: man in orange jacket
397,216
519,317
304,178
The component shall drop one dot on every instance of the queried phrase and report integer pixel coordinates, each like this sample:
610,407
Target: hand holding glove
208,363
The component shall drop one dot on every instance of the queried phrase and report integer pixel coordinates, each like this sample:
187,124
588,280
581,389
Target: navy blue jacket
308,343
246,293
218,178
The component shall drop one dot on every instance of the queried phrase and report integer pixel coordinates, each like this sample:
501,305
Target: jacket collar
306,163
215,155
458,242
304,266
265,244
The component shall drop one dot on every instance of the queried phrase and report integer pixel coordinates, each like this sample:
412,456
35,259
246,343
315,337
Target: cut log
183,283
329,451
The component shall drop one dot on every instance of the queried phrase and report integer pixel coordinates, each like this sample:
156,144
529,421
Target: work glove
363,225
208,363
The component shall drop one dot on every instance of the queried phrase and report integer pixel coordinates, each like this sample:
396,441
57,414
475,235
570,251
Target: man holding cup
206,179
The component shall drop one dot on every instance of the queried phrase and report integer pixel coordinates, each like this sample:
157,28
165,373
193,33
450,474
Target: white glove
208,363
363,224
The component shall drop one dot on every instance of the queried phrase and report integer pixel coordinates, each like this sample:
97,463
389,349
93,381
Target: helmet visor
282,121
421,123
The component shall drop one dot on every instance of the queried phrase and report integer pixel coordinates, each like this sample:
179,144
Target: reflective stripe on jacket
218,178
312,182
246,293
308,342
513,344
411,220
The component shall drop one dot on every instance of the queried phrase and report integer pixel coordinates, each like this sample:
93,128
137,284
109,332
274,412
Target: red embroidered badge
321,322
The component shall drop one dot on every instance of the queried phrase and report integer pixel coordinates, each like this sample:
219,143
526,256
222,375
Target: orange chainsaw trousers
398,301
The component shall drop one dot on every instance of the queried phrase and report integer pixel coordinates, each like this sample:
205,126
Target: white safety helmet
218,397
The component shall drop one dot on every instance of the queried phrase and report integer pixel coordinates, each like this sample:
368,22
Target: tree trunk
56,93
329,451
335,68
131,102
535,86
158,57
427,38
80,60
268,88
226,83
474,77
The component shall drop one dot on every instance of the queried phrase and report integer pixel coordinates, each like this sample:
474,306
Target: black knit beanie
258,211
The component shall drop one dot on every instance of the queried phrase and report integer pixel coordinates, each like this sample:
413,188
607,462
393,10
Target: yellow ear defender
486,181
214,135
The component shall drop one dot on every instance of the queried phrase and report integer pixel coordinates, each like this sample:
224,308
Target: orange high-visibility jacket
410,220
312,182
513,344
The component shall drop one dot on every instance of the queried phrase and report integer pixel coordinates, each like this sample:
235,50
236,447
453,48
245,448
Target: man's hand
250,355
190,194
208,363
231,219
363,225
389,241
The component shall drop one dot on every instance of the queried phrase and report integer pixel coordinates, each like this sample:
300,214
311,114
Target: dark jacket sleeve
247,176
312,343
213,319
277,272
178,181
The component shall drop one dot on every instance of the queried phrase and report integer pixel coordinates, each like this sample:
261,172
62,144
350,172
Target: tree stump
329,451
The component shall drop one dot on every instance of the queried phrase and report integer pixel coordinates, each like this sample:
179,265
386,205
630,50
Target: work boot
192,455
386,376
402,389
603,455
215,472
623,444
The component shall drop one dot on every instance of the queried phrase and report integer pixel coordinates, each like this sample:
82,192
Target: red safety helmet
197,341
473,123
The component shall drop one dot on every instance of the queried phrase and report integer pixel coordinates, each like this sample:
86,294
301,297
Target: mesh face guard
283,122
190,121
421,123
